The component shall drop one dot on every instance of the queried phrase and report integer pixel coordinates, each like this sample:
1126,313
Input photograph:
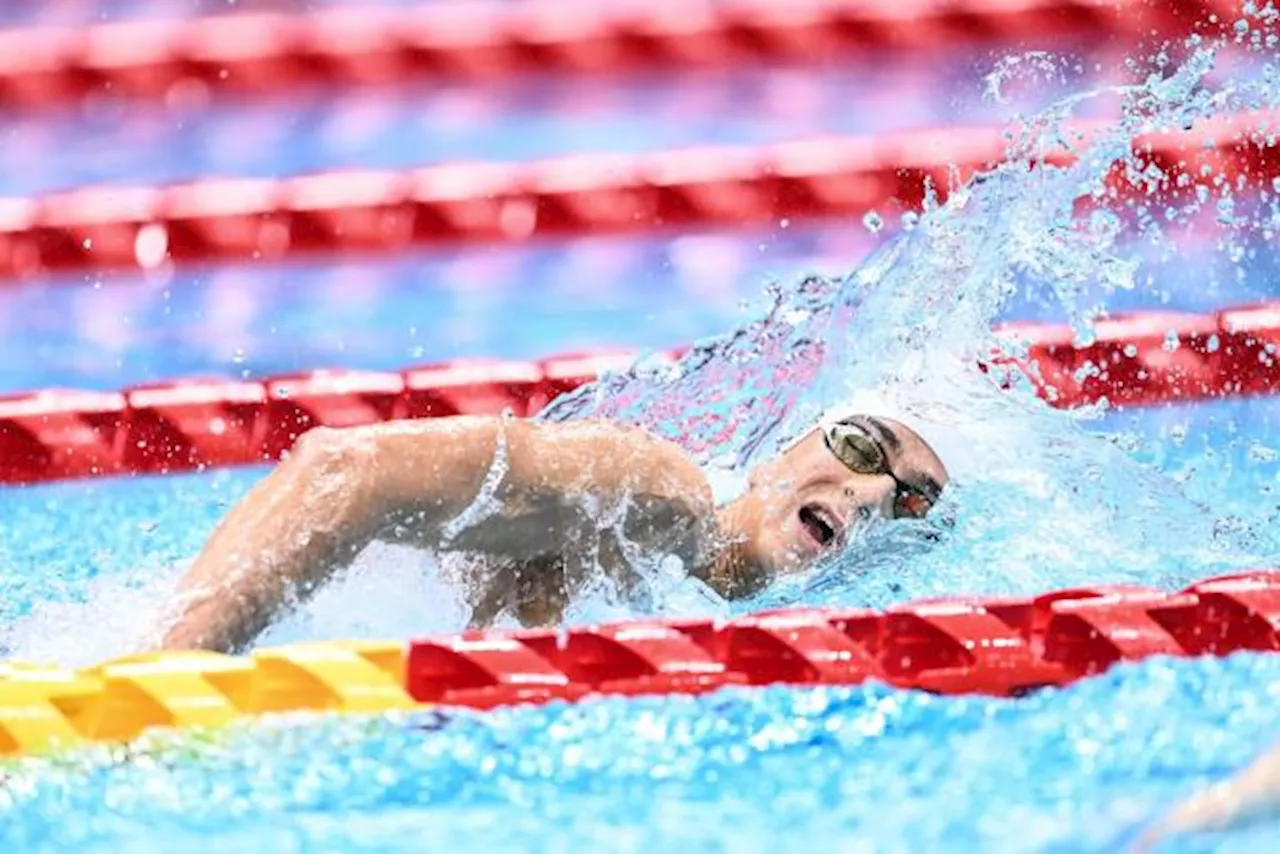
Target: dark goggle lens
864,455
856,450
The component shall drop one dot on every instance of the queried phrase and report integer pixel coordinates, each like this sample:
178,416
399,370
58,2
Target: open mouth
820,524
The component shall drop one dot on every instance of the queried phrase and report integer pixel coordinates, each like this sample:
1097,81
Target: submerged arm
1251,795
340,490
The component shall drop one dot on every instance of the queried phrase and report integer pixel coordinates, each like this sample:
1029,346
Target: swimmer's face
803,504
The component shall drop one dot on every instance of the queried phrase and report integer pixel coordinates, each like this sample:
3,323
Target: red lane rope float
999,646
195,424
1003,646
259,53
254,220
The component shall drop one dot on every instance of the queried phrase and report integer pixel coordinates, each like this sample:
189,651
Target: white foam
388,592
111,619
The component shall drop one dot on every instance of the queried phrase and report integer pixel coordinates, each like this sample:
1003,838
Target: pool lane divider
193,425
266,220
997,646
183,63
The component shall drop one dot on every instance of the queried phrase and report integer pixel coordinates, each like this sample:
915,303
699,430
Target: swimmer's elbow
336,464
324,450
321,443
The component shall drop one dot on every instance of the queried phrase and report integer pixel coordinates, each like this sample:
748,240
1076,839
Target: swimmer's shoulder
635,459
651,494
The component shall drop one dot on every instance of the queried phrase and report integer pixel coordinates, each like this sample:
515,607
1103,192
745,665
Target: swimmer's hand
338,490
1252,795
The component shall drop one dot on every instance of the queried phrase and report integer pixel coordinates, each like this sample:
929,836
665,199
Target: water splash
1030,68
1040,498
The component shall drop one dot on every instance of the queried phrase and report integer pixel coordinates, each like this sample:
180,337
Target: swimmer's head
849,469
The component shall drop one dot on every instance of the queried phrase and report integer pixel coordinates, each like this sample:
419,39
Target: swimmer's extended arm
341,489
1251,795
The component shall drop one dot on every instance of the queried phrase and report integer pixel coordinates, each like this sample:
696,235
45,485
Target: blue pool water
861,769
1046,501
516,303
519,120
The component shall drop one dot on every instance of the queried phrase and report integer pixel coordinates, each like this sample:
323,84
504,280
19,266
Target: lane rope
273,219
193,425
1001,646
245,55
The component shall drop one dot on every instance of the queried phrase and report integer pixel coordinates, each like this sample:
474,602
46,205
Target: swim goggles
863,453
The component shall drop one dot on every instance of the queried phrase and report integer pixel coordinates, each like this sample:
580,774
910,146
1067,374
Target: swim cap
928,421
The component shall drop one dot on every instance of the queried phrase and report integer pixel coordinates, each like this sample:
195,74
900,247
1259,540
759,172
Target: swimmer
539,504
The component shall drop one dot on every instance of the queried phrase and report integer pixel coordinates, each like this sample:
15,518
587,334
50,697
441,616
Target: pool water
770,770
514,303
1161,496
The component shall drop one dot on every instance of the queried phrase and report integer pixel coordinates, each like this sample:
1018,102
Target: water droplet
1171,341
238,356
1260,453
1131,350
1085,371
1212,344
1226,210
872,221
